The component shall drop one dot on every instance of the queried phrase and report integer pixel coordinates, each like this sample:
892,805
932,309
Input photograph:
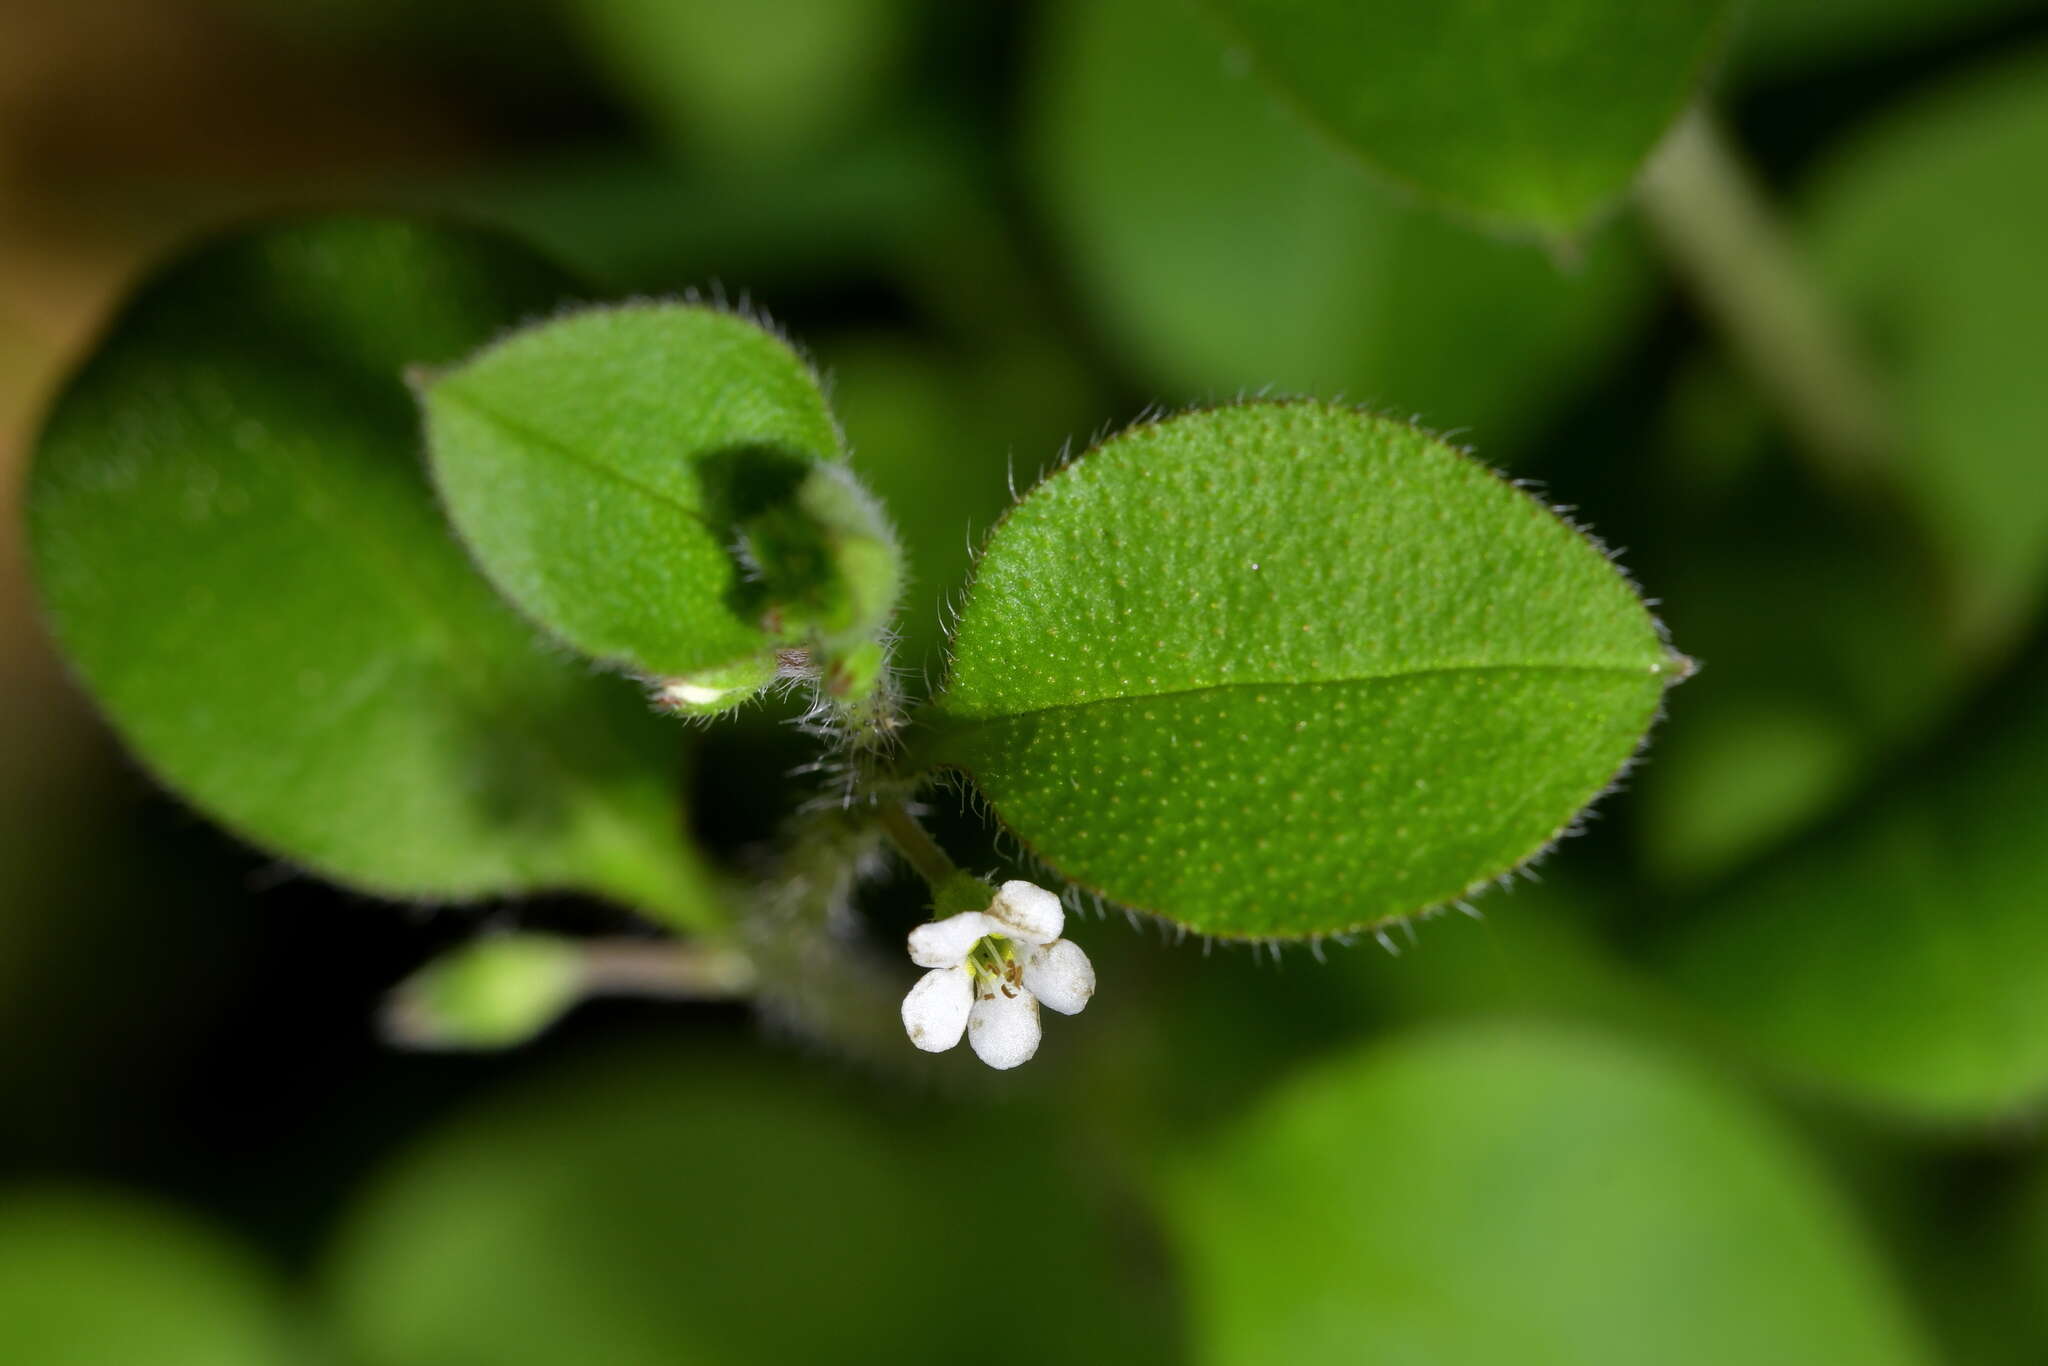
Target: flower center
993,961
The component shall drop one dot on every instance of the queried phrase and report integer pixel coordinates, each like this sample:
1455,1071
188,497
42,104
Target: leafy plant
1410,675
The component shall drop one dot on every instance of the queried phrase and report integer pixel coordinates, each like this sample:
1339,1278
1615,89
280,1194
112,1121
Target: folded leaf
661,486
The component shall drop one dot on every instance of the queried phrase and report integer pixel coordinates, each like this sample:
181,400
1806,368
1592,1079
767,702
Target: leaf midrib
447,392
962,720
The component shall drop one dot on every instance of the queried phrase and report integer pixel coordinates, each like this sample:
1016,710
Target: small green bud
495,992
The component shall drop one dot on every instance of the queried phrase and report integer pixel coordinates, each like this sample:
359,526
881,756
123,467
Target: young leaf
1902,957
660,485
240,554
1535,114
1286,669
1224,244
1494,1195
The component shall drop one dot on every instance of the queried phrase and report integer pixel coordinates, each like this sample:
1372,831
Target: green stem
664,968
1720,232
920,850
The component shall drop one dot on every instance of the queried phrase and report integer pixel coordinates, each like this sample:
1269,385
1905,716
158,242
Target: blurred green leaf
656,484
1902,957
1931,229
1284,669
1492,1195
1227,248
92,1279
683,1210
743,84
1535,114
1826,654
240,554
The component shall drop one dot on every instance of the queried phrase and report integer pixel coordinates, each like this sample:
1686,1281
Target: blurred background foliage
1754,1073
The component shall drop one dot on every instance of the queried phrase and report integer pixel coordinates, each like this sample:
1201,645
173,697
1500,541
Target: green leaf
87,1279
1902,957
1285,669
1830,654
1226,247
1931,230
1497,1195
1534,115
675,1209
659,484
240,554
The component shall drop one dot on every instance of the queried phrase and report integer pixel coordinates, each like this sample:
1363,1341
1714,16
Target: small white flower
990,972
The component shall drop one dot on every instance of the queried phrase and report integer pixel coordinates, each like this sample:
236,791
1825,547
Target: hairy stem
920,850
1720,232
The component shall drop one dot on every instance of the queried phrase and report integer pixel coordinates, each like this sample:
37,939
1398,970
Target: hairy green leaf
240,554
1284,669
1494,1195
660,485
1226,247
1535,114
87,1279
1902,957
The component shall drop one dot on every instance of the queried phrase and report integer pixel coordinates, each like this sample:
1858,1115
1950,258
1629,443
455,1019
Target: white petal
1060,976
1027,912
1003,1028
935,1011
945,943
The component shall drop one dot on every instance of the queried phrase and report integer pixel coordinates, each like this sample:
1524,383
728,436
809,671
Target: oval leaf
239,552
1287,267
1286,669
1508,1195
1535,114
657,484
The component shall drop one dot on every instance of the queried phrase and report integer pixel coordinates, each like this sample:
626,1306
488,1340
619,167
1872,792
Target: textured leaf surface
695,1210
1902,957
653,483
1493,1195
1533,114
1931,229
88,1279
1286,669
240,554
1227,247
